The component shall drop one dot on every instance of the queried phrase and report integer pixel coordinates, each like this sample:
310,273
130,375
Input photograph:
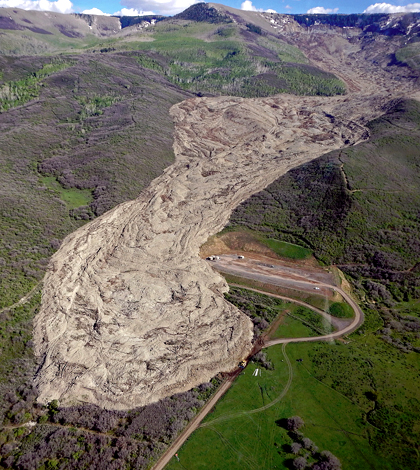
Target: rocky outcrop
130,313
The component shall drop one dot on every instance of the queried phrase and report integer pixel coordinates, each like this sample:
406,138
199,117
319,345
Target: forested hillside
79,135
358,208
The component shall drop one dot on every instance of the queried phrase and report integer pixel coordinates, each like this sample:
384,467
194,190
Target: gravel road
277,275
195,423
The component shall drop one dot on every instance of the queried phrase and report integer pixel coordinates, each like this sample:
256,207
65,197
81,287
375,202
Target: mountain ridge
76,25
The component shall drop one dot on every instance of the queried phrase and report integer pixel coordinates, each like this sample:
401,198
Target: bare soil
130,289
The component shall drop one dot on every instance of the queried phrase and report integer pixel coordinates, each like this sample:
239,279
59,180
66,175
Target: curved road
338,323
357,321
254,275
281,278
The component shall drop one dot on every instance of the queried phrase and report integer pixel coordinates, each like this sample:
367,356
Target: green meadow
358,400
287,250
73,197
292,328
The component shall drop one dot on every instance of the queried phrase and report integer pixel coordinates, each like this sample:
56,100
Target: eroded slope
130,313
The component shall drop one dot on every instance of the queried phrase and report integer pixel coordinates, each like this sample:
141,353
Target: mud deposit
130,313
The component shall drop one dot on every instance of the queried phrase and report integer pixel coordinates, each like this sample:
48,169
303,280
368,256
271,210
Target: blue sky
170,7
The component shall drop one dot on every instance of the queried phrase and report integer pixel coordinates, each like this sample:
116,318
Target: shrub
308,444
299,463
261,359
327,461
254,28
295,448
294,423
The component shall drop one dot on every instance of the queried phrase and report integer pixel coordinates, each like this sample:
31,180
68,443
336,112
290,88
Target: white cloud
388,8
132,12
163,7
248,6
95,11
321,10
59,6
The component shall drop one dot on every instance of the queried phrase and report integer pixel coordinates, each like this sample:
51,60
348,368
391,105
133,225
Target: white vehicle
316,288
241,257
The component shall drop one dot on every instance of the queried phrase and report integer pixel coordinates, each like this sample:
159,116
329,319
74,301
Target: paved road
251,270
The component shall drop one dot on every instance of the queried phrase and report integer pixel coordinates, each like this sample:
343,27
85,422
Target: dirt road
337,323
24,299
195,423
300,279
277,274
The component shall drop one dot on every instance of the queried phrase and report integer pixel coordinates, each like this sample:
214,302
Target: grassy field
244,239
287,250
311,319
341,310
332,420
292,328
358,400
73,197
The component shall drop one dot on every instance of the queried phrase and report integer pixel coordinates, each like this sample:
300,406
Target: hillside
75,142
358,209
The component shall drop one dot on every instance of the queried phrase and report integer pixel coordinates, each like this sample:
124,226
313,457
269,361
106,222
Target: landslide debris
130,313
